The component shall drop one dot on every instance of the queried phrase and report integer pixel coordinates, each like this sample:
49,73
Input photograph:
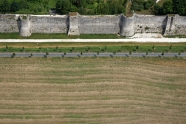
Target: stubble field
92,90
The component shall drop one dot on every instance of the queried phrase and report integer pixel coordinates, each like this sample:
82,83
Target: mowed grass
92,90
59,36
92,47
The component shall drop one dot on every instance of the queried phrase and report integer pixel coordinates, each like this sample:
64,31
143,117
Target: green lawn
59,36
92,47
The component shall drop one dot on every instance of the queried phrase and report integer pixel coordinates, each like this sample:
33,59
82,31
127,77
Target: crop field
92,90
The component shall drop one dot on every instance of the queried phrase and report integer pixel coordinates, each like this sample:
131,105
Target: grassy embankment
92,90
92,47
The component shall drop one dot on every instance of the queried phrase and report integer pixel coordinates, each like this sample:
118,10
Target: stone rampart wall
8,24
99,24
49,24
180,25
75,24
149,24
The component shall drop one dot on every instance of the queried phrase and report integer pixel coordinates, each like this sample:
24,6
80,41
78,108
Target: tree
23,48
167,7
79,3
140,7
14,6
137,47
82,10
13,55
130,52
170,47
63,6
179,53
179,7
157,10
147,5
5,7
23,4
134,6
153,47
162,53
147,53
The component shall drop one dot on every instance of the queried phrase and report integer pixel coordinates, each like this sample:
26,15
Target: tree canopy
93,6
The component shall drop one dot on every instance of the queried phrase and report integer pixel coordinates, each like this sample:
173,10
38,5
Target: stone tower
25,28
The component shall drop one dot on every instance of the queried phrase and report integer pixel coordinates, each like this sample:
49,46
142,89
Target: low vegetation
92,90
93,47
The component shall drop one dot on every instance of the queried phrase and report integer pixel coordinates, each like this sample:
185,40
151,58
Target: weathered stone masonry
75,24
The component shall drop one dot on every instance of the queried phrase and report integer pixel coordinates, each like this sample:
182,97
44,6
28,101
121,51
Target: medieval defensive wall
76,24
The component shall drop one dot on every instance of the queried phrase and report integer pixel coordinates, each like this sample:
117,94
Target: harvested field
92,90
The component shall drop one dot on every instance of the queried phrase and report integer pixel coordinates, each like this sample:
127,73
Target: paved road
99,40
93,55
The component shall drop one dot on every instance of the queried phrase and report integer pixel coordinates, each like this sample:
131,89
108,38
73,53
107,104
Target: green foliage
170,47
137,47
170,7
134,6
138,5
179,6
63,6
157,10
90,7
5,6
14,6
147,5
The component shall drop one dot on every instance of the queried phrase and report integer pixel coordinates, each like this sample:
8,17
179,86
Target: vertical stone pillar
73,24
25,28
